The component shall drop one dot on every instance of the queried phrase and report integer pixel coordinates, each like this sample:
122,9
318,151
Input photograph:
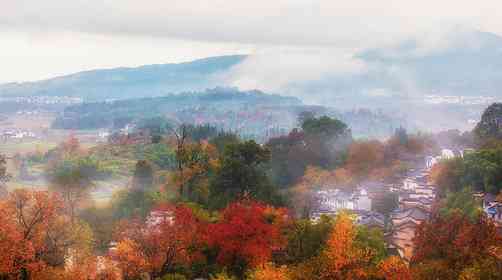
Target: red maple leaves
248,231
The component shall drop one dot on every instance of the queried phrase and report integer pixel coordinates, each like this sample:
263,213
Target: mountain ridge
458,64
125,82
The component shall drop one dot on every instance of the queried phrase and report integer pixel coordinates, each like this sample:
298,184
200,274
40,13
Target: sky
43,39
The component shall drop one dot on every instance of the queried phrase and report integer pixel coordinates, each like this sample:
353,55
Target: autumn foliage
364,156
247,240
269,271
450,245
342,259
171,237
345,257
248,232
36,236
394,268
216,214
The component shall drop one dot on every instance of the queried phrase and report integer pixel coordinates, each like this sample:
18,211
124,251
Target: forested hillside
252,114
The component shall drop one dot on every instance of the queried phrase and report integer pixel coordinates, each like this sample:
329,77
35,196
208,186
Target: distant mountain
122,83
464,63
458,63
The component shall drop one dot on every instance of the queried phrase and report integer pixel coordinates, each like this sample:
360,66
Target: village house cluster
14,133
330,201
415,195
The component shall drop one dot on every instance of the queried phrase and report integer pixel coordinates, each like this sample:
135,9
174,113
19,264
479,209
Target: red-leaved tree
27,233
248,233
454,245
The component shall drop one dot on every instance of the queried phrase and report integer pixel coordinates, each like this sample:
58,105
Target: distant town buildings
461,100
44,100
13,133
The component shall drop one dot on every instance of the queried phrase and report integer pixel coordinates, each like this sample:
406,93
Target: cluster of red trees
246,239
245,235
38,240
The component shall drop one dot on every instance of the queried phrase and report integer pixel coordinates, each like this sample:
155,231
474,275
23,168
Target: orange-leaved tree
35,235
363,157
343,258
394,268
269,271
172,236
194,162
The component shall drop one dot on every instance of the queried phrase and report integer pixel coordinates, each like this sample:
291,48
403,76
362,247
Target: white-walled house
363,202
334,200
447,154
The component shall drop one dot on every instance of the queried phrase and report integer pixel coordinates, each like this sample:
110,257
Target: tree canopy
241,174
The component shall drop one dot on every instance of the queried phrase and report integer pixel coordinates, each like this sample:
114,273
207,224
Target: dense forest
201,202
251,114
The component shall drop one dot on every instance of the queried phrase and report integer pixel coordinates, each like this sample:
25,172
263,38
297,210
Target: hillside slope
122,83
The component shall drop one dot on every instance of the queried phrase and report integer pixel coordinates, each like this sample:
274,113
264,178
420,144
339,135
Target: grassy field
101,193
35,185
36,123
47,138
122,158
25,146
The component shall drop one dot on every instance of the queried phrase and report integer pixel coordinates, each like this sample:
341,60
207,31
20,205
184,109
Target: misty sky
45,38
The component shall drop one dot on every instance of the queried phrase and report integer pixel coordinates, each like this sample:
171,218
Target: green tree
143,176
484,170
73,179
324,126
481,170
306,239
202,132
402,136
462,202
223,139
102,223
242,173
290,157
448,175
155,125
490,125
304,116
373,239
126,204
173,276
327,139
195,164
4,176
322,142
162,155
